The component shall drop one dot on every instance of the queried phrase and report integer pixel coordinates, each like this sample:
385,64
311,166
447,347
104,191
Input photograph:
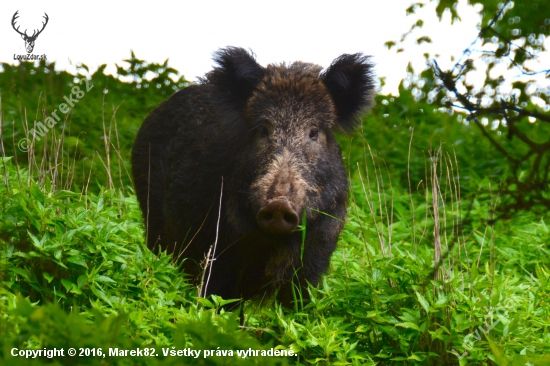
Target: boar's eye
263,131
314,133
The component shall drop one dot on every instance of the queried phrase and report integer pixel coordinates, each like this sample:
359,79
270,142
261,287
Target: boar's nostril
278,217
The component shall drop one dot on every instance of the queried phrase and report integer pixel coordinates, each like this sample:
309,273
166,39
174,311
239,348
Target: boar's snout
278,217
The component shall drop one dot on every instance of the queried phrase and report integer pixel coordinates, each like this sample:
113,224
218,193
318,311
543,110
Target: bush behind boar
239,159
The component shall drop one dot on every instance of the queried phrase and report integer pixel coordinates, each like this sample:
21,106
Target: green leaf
67,284
205,302
409,325
389,44
415,358
102,278
22,272
37,243
424,39
498,353
47,276
423,302
81,280
78,260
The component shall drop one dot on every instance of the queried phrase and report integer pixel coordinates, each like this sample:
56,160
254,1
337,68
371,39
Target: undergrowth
425,271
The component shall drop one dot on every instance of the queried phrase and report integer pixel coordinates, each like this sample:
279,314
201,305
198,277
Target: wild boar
242,163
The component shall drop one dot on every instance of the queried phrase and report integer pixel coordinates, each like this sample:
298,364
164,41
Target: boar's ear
350,81
236,75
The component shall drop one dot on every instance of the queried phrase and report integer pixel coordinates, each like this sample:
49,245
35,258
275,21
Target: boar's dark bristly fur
267,133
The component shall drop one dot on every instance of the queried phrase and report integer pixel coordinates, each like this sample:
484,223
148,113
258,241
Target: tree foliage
511,108
423,273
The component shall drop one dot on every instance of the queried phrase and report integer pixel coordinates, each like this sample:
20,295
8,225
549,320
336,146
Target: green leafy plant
510,112
425,271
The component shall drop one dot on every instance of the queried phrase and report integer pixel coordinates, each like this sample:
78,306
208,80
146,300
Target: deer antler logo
29,40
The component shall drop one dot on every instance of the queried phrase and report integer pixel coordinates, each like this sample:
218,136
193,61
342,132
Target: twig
211,258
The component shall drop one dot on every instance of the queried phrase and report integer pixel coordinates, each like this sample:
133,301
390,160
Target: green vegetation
429,269
75,271
513,97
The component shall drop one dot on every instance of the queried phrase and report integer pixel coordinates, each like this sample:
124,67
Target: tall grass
424,272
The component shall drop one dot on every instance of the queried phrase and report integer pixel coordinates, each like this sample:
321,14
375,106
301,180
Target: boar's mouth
278,216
